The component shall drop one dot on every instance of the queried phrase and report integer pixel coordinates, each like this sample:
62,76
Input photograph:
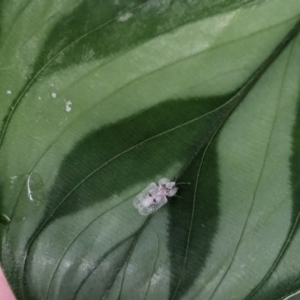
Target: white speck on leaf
88,55
68,106
12,179
157,276
8,92
29,192
155,279
52,84
39,98
53,95
67,263
125,17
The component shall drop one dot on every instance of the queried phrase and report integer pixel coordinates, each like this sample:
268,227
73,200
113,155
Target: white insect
153,197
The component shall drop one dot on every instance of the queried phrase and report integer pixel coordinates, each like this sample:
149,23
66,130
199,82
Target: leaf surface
99,99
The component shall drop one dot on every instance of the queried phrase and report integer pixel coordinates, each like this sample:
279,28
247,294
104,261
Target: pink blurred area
5,291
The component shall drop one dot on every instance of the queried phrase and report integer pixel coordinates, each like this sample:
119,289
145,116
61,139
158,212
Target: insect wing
159,204
148,210
145,210
152,187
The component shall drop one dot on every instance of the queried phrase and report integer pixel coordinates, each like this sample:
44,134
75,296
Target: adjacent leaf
99,99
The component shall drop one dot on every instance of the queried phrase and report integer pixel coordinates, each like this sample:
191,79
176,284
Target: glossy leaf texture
101,98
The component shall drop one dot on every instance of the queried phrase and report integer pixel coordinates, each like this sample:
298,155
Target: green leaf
99,99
